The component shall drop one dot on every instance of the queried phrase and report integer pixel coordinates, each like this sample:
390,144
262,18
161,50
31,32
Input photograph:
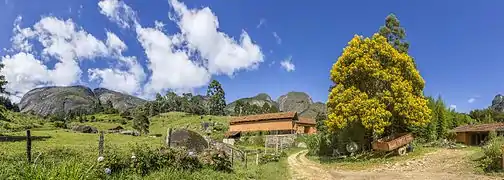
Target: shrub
492,154
313,143
60,124
451,136
216,159
269,158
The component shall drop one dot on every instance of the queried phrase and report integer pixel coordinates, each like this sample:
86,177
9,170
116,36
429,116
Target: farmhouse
476,134
274,123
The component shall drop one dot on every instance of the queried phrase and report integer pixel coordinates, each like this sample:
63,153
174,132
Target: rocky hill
498,103
292,101
120,101
260,99
57,99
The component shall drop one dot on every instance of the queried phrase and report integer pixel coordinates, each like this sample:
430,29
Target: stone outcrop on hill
62,99
294,101
299,102
120,101
260,99
52,100
498,103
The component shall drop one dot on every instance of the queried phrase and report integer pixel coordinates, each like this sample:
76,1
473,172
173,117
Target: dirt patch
443,164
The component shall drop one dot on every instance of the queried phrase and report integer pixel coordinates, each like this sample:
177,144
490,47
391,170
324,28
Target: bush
492,154
312,143
216,159
451,136
269,158
60,124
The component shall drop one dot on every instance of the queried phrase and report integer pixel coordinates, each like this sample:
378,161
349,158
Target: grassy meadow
64,154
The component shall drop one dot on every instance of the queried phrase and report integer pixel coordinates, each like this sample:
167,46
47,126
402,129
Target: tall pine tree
217,98
395,34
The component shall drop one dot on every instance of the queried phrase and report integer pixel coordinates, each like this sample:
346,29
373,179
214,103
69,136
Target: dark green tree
274,109
442,121
217,98
394,33
141,122
266,108
319,119
3,82
238,109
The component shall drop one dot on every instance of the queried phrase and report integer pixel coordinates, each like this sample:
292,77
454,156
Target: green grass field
70,155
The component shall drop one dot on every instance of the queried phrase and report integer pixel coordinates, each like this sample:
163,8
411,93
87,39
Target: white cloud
453,106
277,38
114,43
288,65
118,12
471,100
171,69
188,59
159,25
23,73
261,22
223,55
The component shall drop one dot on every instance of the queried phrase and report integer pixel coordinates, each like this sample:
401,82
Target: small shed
477,133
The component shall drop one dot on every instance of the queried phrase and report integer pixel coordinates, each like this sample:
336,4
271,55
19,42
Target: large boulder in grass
190,140
84,129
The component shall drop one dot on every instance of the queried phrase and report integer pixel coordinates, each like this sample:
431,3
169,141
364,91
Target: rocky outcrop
84,129
52,100
63,99
120,101
294,101
313,110
260,99
498,103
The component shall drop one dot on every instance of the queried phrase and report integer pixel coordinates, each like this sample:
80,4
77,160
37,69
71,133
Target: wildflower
133,157
101,158
191,153
108,171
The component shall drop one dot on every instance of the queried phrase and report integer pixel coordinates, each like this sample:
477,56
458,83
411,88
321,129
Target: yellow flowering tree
378,86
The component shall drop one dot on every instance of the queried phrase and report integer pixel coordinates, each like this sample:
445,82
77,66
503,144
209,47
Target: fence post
281,145
100,144
168,137
257,158
232,157
245,159
276,147
28,145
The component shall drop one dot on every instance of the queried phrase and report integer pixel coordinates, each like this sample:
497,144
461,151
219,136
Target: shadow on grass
22,138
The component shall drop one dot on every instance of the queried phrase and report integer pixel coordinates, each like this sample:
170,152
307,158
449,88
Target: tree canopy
394,33
217,98
377,85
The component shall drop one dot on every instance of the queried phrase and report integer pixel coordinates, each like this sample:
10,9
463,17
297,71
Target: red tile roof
304,120
479,127
264,117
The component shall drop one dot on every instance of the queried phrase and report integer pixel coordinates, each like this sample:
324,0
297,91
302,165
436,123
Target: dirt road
444,164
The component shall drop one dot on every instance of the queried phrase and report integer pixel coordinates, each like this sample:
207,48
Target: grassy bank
63,154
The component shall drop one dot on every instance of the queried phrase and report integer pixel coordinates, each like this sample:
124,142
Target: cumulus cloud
288,65
62,41
188,59
453,106
277,38
471,100
118,12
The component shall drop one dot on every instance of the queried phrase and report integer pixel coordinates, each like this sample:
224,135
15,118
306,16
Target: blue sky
456,45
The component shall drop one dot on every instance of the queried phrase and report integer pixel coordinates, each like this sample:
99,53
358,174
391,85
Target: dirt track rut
444,164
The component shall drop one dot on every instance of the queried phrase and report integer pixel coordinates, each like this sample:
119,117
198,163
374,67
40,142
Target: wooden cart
398,142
